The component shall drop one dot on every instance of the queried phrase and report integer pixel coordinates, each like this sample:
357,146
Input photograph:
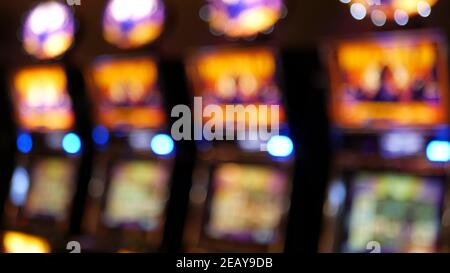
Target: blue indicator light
280,146
100,135
24,143
438,151
19,186
71,143
162,144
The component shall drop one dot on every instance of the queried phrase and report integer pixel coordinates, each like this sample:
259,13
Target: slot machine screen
401,212
41,99
247,203
137,195
52,188
127,93
236,76
390,80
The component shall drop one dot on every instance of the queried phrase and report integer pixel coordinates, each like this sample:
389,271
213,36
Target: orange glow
127,94
389,82
232,77
41,98
16,242
411,7
140,35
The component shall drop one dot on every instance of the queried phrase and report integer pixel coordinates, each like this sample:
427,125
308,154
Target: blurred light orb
24,143
162,144
378,18
381,11
438,151
358,11
133,23
280,146
48,30
401,17
243,18
71,143
100,135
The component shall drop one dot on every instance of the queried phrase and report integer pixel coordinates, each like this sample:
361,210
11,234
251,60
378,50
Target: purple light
49,30
130,24
243,18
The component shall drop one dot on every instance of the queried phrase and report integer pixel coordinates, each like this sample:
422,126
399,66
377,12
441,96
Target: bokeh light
382,10
71,143
438,151
130,24
20,184
280,146
162,144
100,135
243,18
24,143
49,30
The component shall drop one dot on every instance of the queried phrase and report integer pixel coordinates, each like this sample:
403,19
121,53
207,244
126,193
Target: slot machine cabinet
48,168
134,153
7,142
240,196
389,105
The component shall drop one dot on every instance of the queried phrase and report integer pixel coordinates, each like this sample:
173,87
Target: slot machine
240,197
129,191
49,163
389,106
241,190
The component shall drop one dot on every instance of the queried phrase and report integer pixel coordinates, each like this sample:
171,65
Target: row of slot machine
99,162
102,177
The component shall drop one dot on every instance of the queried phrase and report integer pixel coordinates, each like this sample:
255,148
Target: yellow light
16,242
123,88
42,100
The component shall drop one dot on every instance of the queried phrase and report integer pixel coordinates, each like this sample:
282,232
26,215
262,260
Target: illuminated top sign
236,77
130,24
49,30
389,81
243,18
127,93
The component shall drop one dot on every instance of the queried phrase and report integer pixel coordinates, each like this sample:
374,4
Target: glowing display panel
247,203
137,195
52,189
401,212
16,242
127,94
389,81
237,77
41,99
242,18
